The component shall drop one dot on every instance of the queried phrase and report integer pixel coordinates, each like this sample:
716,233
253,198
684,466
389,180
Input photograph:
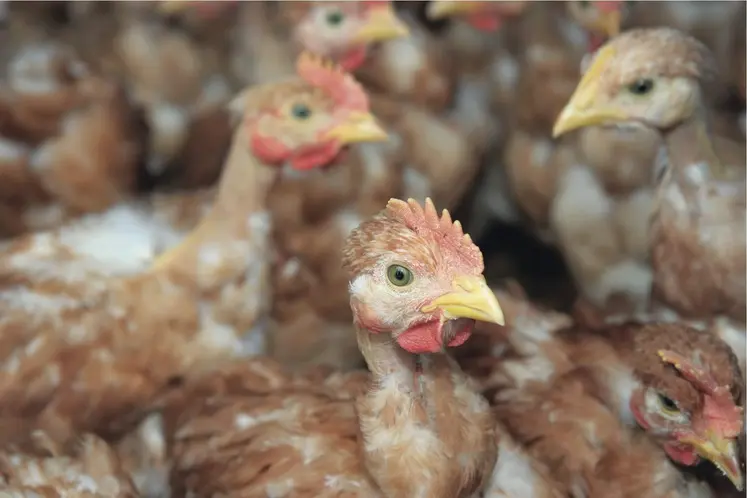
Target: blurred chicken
425,155
716,24
72,142
262,50
593,404
655,79
416,287
408,77
102,316
181,82
90,469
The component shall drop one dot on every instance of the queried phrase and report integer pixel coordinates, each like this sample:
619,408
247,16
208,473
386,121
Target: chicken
180,81
574,194
416,287
90,469
80,305
411,95
698,222
595,404
263,47
311,321
73,142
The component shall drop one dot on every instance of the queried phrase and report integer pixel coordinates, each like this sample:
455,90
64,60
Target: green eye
641,87
301,111
399,275
335,18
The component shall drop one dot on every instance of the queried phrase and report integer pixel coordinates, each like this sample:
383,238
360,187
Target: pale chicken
698,222
413,427
101,317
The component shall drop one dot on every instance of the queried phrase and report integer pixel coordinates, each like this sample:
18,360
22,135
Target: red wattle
315,156
421,339
681,454
268,149
484,22
462,336
353,59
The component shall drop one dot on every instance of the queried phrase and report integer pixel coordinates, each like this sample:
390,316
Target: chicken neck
690,143
242,194
386,359
413,423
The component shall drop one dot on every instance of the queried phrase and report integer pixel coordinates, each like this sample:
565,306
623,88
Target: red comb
330,78
719,410
609,5
426,221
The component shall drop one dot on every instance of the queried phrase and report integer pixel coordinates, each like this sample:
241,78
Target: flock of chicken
203,246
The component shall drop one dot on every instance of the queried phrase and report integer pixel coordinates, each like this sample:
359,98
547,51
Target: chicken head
344,31
643,77
485,16
306,123
418,277
689,395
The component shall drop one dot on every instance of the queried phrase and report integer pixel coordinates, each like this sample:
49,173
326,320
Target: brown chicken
89,469
417,430
264,45
99,319
408,77
594,404
73,142
179,79
314,213
698,221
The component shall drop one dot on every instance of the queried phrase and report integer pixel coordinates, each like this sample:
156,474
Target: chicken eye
301,111
667,404
399,275
335,18
641,87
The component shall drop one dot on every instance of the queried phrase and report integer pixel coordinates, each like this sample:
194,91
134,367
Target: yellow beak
381,24
722,452
357,127
169,7
440,9
581,110
609,23
471,298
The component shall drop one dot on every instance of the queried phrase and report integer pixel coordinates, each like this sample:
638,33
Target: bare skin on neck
423,435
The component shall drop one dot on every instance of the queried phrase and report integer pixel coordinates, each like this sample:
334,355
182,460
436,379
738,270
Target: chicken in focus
335,435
